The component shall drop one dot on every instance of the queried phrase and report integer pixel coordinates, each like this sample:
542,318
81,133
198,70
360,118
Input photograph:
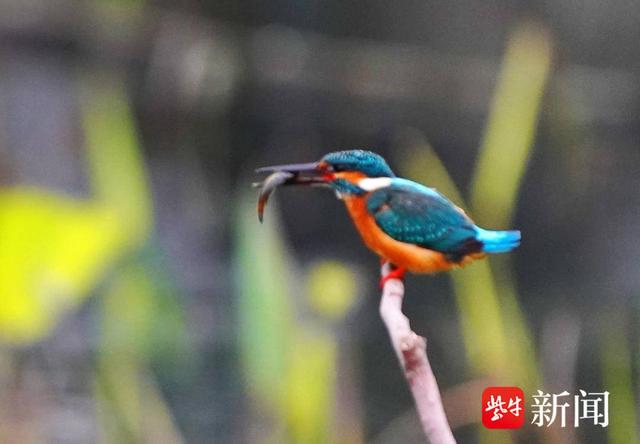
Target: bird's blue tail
498,241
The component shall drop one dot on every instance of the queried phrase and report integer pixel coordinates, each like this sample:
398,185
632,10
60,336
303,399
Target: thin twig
411,350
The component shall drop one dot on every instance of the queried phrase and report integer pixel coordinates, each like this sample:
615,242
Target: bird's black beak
313,173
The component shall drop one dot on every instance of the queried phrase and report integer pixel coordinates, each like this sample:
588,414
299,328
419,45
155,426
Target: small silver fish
268,186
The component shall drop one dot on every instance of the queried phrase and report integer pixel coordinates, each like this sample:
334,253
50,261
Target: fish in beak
312,174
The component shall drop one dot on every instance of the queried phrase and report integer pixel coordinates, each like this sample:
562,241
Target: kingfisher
409,225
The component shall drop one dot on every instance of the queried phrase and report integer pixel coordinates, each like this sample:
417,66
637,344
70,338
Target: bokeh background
140,300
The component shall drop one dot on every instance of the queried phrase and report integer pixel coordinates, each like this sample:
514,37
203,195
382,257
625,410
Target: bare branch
411,350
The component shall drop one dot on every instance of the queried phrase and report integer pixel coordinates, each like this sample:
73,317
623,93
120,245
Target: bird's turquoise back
412,213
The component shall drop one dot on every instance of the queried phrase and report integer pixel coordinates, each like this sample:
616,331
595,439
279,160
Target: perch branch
411,350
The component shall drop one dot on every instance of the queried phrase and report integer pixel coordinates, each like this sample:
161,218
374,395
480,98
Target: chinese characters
504,408
593,407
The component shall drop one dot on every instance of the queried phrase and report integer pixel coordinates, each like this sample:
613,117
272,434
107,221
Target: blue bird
405,223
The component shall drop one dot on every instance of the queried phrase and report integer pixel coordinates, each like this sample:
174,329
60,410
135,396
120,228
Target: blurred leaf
115,162
53,250
331,289
119,403
617,378
159,423
501,166
264,281
482,321
129,403
141,317
511,128
310,388
523,364
127,313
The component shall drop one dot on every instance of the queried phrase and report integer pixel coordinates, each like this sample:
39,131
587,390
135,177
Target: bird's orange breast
401,254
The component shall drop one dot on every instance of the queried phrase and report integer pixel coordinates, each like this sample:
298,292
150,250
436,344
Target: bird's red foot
395,273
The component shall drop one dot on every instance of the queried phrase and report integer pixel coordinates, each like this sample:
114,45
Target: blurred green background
141,301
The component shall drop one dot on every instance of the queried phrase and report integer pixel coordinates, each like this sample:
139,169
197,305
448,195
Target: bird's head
348,173
342,170
358,162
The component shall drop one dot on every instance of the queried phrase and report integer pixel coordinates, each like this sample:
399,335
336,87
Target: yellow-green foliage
53,248
617,378
289,351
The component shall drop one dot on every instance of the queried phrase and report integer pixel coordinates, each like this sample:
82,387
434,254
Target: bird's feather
412,213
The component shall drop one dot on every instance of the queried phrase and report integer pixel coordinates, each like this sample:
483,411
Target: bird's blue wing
412,213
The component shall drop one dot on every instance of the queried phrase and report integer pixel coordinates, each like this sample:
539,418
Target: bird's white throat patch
374,183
